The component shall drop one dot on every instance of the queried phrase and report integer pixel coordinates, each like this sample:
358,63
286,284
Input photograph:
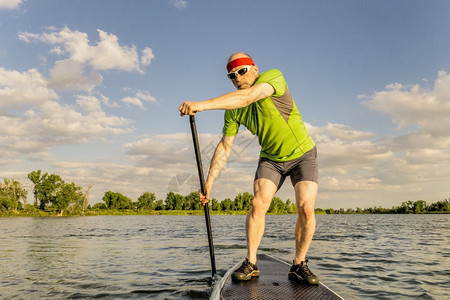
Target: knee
306,211
259,207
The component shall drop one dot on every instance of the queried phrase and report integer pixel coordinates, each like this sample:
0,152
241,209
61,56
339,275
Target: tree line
53,195
407,207
176,202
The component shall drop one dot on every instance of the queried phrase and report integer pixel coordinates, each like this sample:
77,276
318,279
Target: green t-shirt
275,120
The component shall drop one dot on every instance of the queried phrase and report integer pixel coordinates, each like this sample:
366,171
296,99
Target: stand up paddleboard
272,283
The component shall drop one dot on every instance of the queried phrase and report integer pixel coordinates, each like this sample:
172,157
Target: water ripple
167,257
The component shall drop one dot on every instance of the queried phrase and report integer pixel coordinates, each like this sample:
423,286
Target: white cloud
32,120
105,54
339,131
133,101
349,159
139,98
9,4
414,105
146,56
180,4
89,104
129,180
145,96
160,150
68,74
55,123
106,101
21,89
413,165
427,110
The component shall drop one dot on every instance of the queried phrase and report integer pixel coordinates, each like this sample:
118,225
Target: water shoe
246,271
301,272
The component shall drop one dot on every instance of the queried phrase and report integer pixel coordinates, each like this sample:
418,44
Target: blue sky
89,90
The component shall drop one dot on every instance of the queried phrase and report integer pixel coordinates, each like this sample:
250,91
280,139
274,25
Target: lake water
167,257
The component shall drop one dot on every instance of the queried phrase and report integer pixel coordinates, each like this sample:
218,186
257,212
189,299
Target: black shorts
304,168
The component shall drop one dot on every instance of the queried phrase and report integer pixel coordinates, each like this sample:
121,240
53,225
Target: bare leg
305,196
256,218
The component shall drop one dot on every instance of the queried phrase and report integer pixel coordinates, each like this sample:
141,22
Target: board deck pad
273,283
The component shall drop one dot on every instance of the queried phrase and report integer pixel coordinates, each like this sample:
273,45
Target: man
263,104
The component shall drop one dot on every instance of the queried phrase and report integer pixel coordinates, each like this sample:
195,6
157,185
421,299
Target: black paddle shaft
203,191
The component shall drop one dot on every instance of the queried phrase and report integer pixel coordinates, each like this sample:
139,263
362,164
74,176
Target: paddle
203,191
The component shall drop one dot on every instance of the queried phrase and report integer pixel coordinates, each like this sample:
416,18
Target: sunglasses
240,72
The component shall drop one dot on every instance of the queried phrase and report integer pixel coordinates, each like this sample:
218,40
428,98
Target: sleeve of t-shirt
276,79
230,125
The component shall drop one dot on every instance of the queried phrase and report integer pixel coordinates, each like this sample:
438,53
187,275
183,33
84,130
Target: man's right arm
232,100
218,161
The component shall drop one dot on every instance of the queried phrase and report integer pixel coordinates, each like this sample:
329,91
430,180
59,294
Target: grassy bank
40,213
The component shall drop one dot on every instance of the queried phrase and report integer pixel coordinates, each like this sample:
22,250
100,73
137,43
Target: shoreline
43,214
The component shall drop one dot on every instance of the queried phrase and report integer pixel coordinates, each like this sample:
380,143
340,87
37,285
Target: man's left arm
233,100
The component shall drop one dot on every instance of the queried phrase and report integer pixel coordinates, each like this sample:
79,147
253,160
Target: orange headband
239,62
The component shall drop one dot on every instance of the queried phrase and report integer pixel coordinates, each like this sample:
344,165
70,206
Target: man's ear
255,68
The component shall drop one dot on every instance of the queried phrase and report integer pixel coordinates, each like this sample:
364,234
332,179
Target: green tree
277,206
319,211
192,202
146,201
14,192
243,201
420,206
396,209
61,200
174,201
117,201
226,204
45,187
99,206
215,205
51,191
6,204
329,211
291,207
408,206
405,208
36,179
68,194
443,205
159,205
